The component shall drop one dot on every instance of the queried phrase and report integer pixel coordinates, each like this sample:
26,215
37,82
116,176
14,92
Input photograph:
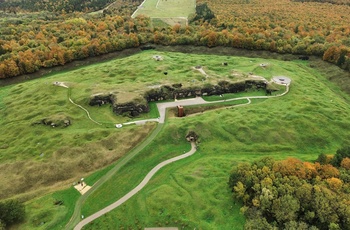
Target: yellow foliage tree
345,163
334,183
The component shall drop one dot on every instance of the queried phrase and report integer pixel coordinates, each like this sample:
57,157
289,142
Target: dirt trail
62,84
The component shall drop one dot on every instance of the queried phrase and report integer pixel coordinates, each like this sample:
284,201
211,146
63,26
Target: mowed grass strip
166,8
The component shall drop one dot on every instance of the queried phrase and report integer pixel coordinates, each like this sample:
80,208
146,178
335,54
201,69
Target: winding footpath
87,112
62,84
136,189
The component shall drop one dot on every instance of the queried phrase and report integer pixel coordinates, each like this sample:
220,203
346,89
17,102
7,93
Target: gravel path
87,112
62,84
136,189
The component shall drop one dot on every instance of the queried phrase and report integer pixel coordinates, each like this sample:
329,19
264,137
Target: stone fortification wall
136,105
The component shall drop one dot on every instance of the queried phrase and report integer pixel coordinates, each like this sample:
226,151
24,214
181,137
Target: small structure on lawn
118,126
192,136
157,57
180,111
282,80
81,186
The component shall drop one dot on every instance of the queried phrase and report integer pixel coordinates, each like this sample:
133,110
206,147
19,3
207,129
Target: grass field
42,213
166,8
169,11
193,193
311,119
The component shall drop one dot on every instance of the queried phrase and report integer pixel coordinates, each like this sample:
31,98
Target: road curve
162,111
76,217
162,106
143,183
200,101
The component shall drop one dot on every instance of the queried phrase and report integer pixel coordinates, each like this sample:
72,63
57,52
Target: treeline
291,194
54,5
29,42
282,26
26,45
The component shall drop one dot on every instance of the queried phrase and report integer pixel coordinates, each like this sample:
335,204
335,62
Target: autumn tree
291,194
345,163
340,155
332,54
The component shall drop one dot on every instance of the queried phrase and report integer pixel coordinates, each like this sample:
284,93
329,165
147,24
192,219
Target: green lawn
43,213
192,193
234,95
166,8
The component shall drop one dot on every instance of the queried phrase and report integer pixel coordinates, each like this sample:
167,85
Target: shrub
11,212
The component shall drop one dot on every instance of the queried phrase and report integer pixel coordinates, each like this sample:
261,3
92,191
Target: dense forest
63,31
291,194
56,5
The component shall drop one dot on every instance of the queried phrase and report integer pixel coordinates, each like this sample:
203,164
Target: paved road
199,101
76,217
136,189
162,111
195,101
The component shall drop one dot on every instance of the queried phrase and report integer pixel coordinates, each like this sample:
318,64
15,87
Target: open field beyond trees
311,119
166,8
170,12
